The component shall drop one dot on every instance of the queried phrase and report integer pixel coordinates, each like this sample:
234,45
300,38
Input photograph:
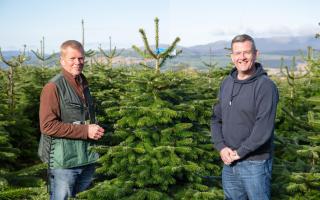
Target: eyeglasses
245,53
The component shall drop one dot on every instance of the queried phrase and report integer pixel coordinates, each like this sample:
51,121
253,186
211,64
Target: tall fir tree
158,55
296,169
111,54
164,149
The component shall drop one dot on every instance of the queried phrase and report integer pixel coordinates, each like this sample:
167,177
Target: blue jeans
247,180
68,182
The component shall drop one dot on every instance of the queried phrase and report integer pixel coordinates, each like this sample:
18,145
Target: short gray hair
243,38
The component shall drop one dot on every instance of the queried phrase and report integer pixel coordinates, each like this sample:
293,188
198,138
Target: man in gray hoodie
243,124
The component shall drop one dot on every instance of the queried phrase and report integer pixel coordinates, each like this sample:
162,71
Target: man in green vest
68,126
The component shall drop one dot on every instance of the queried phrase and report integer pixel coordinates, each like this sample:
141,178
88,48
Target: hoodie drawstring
231,97
235,93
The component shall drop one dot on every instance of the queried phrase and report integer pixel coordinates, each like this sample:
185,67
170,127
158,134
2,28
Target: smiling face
72,60
244,56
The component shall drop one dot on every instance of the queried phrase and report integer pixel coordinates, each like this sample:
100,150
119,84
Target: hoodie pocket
235,134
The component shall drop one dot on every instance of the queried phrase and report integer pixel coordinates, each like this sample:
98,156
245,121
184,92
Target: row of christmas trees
158,143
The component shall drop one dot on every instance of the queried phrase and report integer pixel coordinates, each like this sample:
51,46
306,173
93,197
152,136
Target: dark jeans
66,183
247,180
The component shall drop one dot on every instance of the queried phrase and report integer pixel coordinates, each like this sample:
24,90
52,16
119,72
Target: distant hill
265,45
271,51
33,59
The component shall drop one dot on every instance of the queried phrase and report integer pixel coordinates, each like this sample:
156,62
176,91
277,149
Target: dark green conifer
158,56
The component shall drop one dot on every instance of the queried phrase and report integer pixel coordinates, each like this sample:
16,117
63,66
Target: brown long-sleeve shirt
49,113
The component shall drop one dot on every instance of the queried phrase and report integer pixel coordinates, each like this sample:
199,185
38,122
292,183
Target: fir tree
41,56
7,152
210,64
296,169
89,53
111,54
164,151
158,56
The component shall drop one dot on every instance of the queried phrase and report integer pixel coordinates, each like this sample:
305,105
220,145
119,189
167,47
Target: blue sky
194,21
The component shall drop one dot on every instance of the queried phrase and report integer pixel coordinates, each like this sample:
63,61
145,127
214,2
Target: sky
196,22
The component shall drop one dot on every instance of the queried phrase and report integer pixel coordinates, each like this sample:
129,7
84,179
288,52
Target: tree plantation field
158,143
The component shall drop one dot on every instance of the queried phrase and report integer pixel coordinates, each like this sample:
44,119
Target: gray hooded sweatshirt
243,119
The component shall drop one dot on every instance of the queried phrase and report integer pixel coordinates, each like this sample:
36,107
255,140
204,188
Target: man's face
72,61
243,56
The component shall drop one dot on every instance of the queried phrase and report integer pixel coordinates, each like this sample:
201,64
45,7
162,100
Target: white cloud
275,31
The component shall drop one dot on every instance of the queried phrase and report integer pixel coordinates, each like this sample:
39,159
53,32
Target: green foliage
163,149
24,129
40,54
111,54
19,102
296,168
158,57
210,64
23,193
15,61
25,184
157,143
